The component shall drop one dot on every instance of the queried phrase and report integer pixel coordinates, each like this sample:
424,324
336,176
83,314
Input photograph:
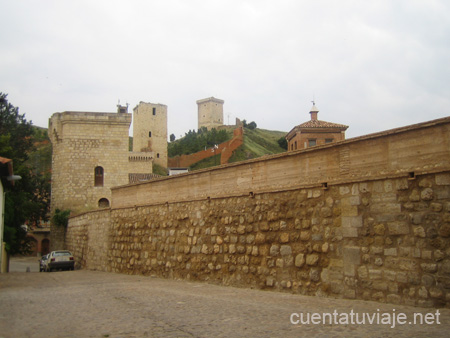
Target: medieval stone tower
150,130
210,113
90,155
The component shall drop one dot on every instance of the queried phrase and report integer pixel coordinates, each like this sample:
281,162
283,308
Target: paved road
97,304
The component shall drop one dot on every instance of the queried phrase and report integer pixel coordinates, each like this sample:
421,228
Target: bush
61,218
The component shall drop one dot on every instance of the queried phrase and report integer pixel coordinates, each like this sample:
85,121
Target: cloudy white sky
373,65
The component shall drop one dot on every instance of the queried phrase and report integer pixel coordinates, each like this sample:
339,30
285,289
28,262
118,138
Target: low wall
383,240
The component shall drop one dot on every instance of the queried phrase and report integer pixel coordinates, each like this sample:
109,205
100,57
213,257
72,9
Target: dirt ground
96,304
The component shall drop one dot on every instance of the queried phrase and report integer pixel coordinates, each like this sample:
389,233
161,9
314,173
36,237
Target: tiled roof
321,124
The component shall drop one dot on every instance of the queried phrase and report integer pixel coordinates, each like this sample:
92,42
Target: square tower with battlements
210,113
150,130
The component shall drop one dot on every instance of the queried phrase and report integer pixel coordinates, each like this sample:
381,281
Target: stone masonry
369,220
384,240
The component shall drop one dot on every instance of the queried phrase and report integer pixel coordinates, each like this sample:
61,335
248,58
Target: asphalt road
97,304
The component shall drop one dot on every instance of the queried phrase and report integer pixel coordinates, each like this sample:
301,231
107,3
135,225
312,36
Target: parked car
61,259
43,263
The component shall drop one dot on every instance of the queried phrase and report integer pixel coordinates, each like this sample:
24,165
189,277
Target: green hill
257,143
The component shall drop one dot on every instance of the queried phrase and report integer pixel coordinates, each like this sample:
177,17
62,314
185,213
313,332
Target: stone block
398,228
299,260
351,221
349,269
442,179
352,255
285,250
427,194
390,252
284,237
312,259
274,250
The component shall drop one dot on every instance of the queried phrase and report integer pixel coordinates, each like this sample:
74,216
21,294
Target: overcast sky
372,65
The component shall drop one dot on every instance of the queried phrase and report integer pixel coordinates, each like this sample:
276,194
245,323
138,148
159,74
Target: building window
103,203
154,111
328,140
149,134
312,142
157,155
295,146
98,177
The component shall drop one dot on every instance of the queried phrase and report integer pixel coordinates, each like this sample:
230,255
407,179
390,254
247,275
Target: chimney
314,112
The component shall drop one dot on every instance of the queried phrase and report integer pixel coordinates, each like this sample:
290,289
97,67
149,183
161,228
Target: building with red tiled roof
314,132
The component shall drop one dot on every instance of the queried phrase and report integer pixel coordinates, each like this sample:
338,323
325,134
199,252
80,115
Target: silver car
60,260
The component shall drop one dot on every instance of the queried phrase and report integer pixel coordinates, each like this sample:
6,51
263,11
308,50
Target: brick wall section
383,240
227,147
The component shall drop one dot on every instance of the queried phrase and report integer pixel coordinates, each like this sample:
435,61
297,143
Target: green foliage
282,142
252,125
172,137
194,141
28,200
257,143
61,218
159,170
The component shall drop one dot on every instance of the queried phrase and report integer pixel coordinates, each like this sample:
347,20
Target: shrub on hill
195,141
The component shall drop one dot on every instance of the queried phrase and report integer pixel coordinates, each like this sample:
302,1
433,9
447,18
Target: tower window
149,134
157,155
98,181
154,111
328,140
312,142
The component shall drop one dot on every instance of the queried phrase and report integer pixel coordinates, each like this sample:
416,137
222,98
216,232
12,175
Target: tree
29,198
172,137
282,142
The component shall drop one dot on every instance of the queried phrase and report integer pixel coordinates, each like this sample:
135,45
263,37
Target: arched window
98,177
103,203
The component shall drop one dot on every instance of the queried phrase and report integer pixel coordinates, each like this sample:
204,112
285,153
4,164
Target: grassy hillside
257,143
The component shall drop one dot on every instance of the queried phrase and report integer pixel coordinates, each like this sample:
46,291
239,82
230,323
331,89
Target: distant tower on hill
150,130
210,113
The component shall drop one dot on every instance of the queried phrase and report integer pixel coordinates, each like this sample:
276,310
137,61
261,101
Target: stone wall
366,218
88,237
384,240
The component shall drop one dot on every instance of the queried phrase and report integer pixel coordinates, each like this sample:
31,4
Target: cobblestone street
97,304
